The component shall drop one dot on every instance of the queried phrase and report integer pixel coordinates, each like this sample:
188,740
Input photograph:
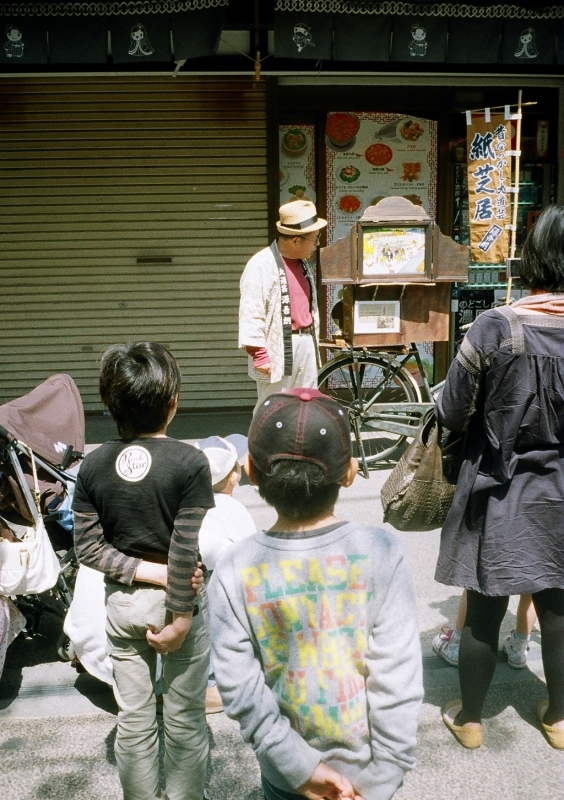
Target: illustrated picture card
393,251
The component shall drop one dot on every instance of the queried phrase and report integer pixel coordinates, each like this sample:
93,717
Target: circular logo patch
133,463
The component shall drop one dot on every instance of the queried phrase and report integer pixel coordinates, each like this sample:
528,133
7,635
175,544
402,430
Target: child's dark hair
138,384
297,489
542,257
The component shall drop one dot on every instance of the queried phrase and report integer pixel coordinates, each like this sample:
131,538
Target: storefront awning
136,32
353,30
92,33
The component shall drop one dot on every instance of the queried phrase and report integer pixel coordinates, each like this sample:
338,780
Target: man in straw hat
278,316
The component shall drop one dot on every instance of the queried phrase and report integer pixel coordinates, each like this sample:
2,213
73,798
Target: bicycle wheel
354,382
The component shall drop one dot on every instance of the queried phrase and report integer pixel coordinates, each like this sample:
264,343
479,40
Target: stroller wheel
32,608
65,648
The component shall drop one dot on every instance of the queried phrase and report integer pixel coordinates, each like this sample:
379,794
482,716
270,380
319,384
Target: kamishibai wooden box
396,268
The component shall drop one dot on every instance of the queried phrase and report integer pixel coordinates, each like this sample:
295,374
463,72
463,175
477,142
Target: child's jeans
130,609
273,793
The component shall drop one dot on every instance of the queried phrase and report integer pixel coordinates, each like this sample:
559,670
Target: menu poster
489,176
297,162
370,156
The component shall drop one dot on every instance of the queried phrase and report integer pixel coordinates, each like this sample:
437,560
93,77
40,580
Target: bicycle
384,401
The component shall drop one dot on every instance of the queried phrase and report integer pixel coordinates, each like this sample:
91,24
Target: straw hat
299,217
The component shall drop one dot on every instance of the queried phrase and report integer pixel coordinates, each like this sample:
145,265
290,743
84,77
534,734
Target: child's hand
197,580
328,783
172,636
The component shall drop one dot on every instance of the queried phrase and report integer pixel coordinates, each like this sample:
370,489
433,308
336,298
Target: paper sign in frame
393,319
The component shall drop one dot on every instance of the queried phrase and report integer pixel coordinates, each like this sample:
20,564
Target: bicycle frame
399,418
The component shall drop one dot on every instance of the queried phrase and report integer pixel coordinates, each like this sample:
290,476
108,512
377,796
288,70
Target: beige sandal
471,738
555,736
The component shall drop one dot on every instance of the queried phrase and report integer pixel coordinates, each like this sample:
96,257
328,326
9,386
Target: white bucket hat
223,454
299,217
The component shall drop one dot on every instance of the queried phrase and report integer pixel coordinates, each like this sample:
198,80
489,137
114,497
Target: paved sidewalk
57,728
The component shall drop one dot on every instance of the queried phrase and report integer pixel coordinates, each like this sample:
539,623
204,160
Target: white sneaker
516,649
446,644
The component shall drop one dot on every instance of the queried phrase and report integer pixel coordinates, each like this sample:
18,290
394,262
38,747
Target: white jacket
261,313
228,522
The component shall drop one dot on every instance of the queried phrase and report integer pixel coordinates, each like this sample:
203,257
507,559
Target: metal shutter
98,172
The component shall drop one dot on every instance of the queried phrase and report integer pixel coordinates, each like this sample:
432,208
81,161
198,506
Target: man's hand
264,370
328,783
172,636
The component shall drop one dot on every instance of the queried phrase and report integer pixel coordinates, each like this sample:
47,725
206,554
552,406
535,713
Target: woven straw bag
418,494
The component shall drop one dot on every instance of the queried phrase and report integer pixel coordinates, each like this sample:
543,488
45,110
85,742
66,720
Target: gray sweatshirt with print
317,655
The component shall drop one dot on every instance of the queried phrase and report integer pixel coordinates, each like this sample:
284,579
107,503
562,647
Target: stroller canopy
48,419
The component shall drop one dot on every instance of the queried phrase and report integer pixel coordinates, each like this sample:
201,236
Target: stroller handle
4,434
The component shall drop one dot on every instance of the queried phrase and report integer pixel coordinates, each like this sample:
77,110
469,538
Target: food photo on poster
294,142
341,130
349,174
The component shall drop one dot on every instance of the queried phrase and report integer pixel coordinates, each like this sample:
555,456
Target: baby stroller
48,423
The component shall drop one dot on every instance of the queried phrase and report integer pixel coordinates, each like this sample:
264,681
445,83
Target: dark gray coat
504,533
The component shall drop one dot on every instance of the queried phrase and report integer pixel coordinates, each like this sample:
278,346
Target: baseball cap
223,454
301,425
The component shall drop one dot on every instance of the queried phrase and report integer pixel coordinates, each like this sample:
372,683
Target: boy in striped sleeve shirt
139,504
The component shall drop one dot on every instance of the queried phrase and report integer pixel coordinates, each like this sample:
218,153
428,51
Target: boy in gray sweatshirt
314,632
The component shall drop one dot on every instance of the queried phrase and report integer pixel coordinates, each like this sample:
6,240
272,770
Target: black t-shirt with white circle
137,489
